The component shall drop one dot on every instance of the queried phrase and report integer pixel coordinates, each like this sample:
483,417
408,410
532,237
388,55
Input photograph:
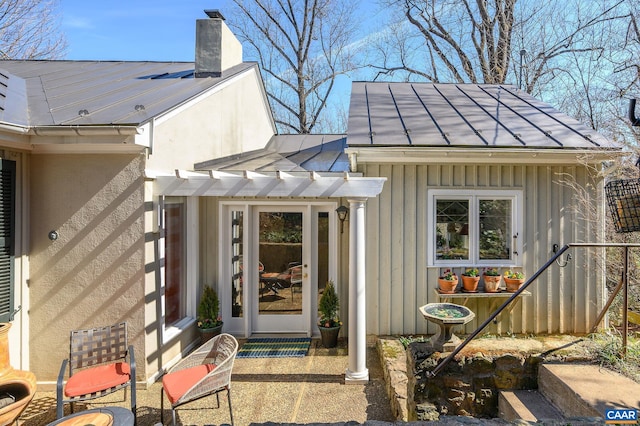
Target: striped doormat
276,347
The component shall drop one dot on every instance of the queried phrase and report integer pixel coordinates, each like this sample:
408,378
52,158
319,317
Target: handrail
522,288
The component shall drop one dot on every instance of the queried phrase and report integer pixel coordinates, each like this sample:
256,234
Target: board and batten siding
563,300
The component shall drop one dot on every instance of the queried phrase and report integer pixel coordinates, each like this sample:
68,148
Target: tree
473,41
302,46
29,30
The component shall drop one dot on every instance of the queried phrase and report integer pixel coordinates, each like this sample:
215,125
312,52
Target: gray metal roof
63,93
289,153
463,115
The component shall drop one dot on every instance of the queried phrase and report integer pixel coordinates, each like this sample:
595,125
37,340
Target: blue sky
160,30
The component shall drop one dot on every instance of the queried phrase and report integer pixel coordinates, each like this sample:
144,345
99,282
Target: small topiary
208,309
328,307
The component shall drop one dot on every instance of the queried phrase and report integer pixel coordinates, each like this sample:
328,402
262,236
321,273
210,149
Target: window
474,227
178,272
175,268
237,297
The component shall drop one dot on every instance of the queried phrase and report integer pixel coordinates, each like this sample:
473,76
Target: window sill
175,330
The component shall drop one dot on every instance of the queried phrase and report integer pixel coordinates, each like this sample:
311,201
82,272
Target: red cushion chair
205,371
100,362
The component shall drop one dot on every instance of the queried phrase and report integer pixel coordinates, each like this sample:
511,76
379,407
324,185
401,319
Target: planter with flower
329,322
513,280
448,282
491,278
470,279
209,320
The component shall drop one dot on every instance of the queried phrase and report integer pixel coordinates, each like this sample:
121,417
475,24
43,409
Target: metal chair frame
221,351
95,347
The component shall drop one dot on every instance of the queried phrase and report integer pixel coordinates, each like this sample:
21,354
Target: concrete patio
264,390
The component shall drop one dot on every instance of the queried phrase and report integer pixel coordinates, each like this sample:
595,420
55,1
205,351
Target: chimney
217,49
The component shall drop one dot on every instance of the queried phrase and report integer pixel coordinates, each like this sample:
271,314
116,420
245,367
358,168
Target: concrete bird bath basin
446,316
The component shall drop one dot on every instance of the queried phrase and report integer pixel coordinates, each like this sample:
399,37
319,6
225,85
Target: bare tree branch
29,29
302,46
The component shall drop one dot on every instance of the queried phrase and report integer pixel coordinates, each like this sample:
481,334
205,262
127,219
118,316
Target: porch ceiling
276,184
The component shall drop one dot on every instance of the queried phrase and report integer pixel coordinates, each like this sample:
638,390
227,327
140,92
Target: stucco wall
563,300
92,275
230,120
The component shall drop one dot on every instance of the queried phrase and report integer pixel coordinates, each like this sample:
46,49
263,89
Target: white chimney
217,49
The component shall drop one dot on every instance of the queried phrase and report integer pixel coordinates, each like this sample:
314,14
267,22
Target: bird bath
446,316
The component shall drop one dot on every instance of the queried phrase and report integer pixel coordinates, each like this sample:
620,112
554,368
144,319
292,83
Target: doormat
276,347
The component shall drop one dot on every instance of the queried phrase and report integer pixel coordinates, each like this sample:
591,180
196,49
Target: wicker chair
203,372
100,362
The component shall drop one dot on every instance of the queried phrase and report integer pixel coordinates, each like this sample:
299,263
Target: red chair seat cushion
179,382
97,379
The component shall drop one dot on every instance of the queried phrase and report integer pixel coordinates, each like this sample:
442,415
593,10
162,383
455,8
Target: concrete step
528,405
586,390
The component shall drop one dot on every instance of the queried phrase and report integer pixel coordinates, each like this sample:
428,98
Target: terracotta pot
21,385
513,284
447,286
470,283
491,283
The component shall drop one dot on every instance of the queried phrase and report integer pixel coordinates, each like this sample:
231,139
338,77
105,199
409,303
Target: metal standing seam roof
289,153
461,115
76,93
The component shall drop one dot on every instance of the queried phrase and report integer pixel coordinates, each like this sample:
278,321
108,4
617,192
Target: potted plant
491,278
448,282
470,279
513,280
329,323
209,320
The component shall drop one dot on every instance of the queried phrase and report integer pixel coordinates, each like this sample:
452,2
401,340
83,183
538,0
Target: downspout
353,162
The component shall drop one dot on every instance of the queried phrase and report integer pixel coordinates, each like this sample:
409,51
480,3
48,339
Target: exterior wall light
343,212
53,235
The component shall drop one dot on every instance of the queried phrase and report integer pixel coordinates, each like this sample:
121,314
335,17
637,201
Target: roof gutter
12,128
76,130
429,155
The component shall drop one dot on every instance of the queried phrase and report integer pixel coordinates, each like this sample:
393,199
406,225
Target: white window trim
169,332
494,194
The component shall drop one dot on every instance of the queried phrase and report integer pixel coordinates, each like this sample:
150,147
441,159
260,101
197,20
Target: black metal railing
623,284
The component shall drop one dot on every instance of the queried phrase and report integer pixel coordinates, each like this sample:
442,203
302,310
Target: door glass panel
323,252
236,264
280,256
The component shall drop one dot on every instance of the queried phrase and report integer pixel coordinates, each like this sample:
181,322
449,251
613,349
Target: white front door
281,241
289,261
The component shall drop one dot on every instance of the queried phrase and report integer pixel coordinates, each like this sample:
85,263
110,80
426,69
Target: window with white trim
178,248
478,227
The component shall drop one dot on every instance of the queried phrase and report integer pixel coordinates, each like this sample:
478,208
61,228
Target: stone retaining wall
393,358
469,384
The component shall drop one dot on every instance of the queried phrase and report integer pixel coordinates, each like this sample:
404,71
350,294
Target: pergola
355,188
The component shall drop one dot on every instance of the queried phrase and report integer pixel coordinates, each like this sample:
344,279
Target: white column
357,371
